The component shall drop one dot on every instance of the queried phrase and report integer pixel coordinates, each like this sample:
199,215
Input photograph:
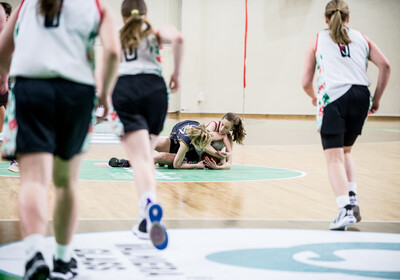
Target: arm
379,59
226,162
308,74
111,56
212,126
180,156
7,44
170,35
6,48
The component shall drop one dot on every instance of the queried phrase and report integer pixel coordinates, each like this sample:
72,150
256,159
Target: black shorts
174,146
53,115
4,99
141,102
344,118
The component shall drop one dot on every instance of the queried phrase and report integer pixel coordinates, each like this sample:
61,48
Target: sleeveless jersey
339,67
219,144
60,48
178,133
145,59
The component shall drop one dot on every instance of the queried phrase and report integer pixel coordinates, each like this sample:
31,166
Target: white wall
278,34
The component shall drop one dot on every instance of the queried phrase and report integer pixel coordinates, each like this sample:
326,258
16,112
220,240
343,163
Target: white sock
32,244
353,187
145,199
342,201
63,252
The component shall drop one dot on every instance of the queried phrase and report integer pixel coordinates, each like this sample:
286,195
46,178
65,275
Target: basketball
204,155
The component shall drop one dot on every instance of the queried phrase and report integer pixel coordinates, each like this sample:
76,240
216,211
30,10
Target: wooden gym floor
301,203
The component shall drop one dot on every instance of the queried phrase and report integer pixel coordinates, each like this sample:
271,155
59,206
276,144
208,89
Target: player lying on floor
178,150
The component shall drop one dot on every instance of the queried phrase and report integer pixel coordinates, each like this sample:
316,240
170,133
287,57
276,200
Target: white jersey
339,67
61,48
145,59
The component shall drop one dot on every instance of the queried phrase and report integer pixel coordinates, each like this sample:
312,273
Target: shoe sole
41,273
356,213
343,224
158,234
139,234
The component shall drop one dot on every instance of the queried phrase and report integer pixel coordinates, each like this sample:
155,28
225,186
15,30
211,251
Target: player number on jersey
53,22
130,54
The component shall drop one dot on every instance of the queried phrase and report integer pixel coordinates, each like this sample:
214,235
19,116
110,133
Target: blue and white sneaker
356,207
344,219
14,166
151,227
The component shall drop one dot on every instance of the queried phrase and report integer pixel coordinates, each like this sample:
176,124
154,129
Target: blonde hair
49,8
238,130
337,13
200,135
131,34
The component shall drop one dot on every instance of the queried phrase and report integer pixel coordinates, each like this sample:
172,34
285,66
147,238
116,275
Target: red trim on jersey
369,46
99,8
316,44
216,125
20,6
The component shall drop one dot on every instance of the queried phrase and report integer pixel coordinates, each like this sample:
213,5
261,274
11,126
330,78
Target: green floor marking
98,170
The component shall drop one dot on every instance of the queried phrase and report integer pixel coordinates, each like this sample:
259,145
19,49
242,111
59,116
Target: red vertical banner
245,50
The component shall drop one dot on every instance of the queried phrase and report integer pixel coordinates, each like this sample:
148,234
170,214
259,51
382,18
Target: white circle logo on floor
205,254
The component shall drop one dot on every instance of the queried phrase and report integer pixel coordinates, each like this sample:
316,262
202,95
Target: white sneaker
151,227
344,219
14,166
356,208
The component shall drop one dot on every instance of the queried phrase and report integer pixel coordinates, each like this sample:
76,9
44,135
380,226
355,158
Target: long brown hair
337,13
134,12
238,130
49,8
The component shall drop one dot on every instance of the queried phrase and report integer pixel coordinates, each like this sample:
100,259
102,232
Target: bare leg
138,149
140,152
349,164
66,198
35,173
164,158
337,171
160,143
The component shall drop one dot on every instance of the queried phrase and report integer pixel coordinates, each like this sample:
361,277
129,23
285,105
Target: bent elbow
387,66
305,83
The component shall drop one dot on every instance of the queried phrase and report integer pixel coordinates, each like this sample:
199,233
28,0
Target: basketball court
266,218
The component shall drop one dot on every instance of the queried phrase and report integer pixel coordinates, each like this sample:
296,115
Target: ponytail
337,13
131,34
238,131
49,8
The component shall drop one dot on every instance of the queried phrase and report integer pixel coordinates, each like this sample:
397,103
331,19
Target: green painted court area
97,170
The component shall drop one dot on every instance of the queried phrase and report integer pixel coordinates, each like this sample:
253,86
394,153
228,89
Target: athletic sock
145,199
353,187
342,201
32,244
63,252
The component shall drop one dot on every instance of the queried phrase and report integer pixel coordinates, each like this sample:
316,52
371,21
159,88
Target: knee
347,149
334,155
